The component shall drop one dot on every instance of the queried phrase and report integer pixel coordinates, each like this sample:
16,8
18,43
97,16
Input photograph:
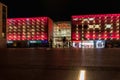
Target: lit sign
77,44
9,41
100,43
88,44
33,41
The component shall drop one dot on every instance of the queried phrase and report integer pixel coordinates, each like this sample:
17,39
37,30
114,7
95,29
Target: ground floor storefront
27,44
66,44
96,44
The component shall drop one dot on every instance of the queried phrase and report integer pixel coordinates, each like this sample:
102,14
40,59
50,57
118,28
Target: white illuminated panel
88,44
100,44
108,26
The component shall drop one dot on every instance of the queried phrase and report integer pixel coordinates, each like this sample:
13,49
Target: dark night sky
60,9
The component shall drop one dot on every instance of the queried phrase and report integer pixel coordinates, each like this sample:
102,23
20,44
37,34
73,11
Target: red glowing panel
114,35
87,36
44,37
75,36
26,22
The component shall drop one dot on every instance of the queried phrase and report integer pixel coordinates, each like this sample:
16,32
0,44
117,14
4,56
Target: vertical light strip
82,75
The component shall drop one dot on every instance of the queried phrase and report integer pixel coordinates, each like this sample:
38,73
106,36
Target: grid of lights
27,28
95,27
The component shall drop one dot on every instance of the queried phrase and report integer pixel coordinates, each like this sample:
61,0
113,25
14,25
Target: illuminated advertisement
10,42
77,44
100,43
83,44
88,44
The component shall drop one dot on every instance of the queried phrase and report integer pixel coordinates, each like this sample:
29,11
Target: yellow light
33,33
117,24
82,75
77,32
111,31
77,29
97,26
90,26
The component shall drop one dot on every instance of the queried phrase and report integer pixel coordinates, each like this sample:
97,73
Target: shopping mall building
96,31
29,32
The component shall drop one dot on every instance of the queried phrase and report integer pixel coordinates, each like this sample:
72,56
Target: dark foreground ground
59,64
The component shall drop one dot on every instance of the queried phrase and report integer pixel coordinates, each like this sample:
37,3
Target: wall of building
3,18
96,27
0,20
34,30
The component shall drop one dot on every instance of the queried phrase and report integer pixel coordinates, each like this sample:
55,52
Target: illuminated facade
3,17
29,32
61,29
103,27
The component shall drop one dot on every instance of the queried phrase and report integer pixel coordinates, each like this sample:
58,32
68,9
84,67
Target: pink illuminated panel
27,28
